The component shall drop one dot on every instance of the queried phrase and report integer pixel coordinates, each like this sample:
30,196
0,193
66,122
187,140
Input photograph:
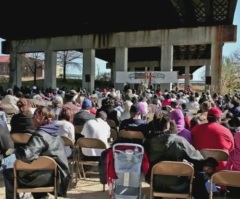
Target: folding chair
218,154
41,163
172,168
113,135
72,160
112,124
78,129
90,143
224,177
131,134
20,138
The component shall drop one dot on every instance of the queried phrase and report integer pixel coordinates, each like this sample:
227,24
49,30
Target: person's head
135,111
102,115
9,91
174,104
158,114
170,127
194,121
66,114
86,104
205,106
68,97
42,116
108,103
57,101
214,114
184,106
24,106
191,98
209,165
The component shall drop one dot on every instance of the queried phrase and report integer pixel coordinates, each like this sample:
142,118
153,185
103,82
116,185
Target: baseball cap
87,103
214,111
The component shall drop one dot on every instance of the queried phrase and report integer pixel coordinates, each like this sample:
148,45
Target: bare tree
66,58
98,72
33,62
236,55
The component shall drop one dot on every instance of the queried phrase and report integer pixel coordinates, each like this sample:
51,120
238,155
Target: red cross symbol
149,76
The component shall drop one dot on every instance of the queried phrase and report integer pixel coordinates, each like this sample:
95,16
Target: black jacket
170,147
43,143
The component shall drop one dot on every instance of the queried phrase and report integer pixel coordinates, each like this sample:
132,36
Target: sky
228,48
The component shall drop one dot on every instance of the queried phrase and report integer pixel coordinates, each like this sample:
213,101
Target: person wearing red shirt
213,135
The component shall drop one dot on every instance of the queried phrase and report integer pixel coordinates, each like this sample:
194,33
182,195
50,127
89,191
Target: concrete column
132,69
88,77
113,69
166,63
207,73
16,65
121,61
216,63
187,77
50,69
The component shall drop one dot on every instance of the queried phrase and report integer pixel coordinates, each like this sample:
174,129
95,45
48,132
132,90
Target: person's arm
32,149
5,139
4,117
189,152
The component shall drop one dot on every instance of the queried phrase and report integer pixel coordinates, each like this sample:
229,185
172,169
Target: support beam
179,36
88,77
166,63
50,68
187,77
216,66
121,64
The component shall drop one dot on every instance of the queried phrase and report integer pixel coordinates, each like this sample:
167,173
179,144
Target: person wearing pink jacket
233,163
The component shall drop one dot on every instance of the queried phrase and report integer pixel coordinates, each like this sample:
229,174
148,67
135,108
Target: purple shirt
186,134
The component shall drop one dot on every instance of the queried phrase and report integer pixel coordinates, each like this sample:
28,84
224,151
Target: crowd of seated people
184,120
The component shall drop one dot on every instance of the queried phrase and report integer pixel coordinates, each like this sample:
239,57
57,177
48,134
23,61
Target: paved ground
86,189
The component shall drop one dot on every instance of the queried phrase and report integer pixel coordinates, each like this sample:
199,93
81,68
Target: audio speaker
208,80
87,78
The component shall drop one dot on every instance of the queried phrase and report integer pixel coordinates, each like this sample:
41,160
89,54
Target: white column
121,61
88,77
187,77
216,66
50,69
166,63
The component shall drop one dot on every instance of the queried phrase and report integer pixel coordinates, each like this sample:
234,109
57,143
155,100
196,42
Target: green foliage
230,75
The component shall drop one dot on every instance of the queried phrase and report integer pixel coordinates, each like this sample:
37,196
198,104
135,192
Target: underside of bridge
31,20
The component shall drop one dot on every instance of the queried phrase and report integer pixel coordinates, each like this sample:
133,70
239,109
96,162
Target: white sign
149,77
